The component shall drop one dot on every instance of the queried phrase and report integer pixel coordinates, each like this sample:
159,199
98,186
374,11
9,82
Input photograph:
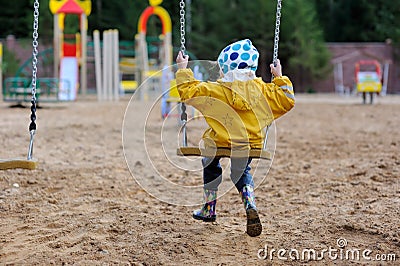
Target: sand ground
335,175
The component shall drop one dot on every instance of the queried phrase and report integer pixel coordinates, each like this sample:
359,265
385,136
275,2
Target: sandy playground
335,176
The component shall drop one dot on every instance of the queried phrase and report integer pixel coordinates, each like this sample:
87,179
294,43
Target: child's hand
276,70
182,60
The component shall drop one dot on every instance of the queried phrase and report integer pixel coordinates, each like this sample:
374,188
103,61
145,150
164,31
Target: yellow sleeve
188,86
280,96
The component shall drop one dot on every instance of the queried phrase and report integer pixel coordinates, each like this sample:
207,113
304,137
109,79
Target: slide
68,78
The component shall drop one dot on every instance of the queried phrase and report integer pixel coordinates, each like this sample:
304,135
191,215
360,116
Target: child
236,107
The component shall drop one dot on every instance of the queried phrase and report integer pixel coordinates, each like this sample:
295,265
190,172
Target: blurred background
321,41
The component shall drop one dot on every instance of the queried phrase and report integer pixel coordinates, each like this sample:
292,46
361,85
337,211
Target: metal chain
277,26
35,43
183,48
275,55
183,22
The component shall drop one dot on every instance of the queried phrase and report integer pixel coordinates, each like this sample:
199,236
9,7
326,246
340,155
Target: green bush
10,63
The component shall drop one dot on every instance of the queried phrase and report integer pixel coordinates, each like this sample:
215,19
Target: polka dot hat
238,55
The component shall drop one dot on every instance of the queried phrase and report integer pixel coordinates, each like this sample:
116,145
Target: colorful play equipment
108,76
29,163
145,69
368,77
70,69
128,73
70,58
17,89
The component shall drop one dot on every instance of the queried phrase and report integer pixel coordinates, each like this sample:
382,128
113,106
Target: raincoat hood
238,61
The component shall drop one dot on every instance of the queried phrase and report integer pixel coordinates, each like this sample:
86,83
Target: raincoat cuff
282,80
184,75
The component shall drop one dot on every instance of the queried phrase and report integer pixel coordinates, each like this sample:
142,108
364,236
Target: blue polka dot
225,57
234,56
242,65
236,47
246,47
238,55
245,56
233,66
225,69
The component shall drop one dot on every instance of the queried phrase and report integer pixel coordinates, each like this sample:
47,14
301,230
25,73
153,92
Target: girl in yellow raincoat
236,107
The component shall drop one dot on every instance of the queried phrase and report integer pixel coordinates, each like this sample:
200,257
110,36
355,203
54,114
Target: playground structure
132,71
70,58
144,68
107,65
368,77
369,57
67,61
17,89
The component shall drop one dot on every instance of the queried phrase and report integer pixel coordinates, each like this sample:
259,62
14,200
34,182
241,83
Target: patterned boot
207,213
254,227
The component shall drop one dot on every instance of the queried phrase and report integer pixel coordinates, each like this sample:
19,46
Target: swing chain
277,26
35,35
183,48
274,56
182,21
35,48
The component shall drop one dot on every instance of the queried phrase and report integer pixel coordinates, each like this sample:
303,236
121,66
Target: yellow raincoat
236,111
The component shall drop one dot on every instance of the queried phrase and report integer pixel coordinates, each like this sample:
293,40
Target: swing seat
224,152
18,163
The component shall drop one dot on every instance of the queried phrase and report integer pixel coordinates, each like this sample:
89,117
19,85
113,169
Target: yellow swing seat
224,152
18,163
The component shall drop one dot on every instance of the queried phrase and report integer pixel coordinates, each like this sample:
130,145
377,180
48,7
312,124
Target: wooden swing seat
18,163
224,152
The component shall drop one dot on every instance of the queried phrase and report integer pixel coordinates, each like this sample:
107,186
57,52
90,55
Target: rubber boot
207,212
254,227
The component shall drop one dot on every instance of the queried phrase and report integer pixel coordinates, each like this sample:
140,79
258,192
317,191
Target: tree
359,20
303,45
45,22
302,49
14,18
117,14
